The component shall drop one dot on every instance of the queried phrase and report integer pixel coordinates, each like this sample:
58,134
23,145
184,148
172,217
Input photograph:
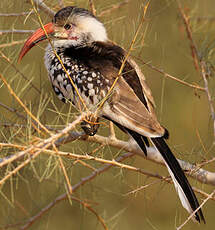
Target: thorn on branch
170,76
114,7
16,14
112,131
64,196
210,101
193,48
15,31
11,43
42,6
61,3
92,7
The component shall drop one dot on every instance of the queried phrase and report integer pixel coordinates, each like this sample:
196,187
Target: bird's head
71,26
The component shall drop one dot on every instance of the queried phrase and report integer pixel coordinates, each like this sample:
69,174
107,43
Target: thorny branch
199,63
199,174
34,150
74,188
23,105
152,155
84,180
92,7
210,101
192,214
113,7
61,3
12,110
194,171
193,48
65,136
41,5
11,43
16,14
196,87
18,71
13,31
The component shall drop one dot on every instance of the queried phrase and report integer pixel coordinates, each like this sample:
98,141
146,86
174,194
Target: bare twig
193,48
11,43
197,173
194,171
56,152
100,219
61,3
74,188
41,5
192,214
40,214
21,74
201,175
205,18
198,62
16,14
13,31
113,7
59,141
210,101
97,159
112,131
202,193
33,151
85,165
92,7
12,110
170,76
23,105
91,177
64,172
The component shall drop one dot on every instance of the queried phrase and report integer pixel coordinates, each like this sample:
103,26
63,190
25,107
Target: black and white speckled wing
93,69
91,84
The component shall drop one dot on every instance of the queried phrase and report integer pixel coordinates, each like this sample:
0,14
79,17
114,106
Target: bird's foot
90,124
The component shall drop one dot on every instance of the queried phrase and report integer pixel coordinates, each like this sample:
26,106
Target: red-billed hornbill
93,63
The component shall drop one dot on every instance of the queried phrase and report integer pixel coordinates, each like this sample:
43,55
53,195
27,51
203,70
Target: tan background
182,110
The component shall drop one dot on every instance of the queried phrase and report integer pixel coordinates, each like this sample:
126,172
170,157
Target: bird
83,64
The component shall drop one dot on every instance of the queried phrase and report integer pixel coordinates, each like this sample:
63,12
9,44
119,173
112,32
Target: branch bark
199,174
41,5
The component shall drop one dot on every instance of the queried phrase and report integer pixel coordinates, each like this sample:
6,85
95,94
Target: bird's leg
90,124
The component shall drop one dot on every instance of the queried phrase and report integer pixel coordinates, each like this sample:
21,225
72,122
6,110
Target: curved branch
74,188
14,31
41,5
90,177
193,171
199,174
16,14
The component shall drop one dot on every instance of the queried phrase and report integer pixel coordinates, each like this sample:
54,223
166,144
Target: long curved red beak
38,36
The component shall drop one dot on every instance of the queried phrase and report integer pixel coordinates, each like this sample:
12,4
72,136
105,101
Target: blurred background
184,111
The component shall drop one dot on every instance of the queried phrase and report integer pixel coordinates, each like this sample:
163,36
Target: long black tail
183,188
186,194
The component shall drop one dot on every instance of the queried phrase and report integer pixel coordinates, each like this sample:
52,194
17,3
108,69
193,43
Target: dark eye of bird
67,26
